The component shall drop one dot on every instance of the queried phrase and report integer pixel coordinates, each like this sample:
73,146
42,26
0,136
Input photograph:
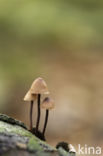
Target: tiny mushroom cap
29,96
48,103
39,86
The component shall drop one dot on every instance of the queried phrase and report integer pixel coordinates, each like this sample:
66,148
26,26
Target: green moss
10,120
46,146
8,128
63,152
33,145
26,139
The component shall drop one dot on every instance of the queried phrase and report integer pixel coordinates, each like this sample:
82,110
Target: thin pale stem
38,116
46,120
31,112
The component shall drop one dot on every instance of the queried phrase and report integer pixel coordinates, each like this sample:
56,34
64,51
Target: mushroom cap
48,103
39,86
29,96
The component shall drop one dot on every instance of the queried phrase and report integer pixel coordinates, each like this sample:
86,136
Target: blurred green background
61,41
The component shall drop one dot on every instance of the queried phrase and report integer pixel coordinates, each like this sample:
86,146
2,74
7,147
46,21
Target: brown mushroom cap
29,96
48,103
39,86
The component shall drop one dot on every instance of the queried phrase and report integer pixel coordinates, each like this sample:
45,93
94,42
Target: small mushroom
47,104
30,97
39,87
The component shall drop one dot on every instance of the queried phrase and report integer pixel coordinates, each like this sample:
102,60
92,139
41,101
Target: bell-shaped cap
39,86
29,96
48,103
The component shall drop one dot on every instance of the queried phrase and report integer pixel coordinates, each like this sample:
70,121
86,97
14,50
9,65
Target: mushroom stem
46,120
31,112
38,117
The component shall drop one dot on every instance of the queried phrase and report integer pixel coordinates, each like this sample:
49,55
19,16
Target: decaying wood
16,140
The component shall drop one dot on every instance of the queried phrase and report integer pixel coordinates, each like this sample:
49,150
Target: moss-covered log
16,140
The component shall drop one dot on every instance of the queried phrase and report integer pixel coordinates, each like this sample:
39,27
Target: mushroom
47,104
30,97
39,87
